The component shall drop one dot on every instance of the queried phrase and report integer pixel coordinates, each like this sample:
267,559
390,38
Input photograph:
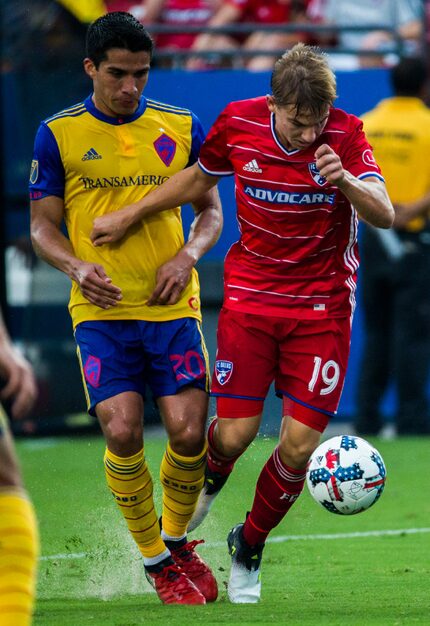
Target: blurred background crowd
202,34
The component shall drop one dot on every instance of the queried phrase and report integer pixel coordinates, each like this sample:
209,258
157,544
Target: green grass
379,579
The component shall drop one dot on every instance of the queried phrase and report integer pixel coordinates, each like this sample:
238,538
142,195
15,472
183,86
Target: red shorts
306,359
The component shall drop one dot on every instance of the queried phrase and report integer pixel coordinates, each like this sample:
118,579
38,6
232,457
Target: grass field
373,568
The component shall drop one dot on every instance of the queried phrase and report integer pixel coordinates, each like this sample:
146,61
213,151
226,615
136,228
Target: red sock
215,460
278,487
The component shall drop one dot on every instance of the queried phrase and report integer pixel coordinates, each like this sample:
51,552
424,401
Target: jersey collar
277,140
115,121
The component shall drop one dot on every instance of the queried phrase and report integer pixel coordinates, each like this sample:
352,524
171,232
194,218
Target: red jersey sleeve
356,153
214,155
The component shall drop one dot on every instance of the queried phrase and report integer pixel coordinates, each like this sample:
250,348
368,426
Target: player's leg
278,487
182,476
244,369
19,545
312,367
130,481
179,381
228,438
112,363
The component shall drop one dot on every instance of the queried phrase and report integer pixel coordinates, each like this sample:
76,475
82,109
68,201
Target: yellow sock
131,484
182,478
19,550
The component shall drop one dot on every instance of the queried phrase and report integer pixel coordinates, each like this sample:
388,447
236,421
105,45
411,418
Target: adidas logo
91,155
253,166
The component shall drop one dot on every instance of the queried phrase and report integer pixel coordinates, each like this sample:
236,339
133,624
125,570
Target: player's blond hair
303,78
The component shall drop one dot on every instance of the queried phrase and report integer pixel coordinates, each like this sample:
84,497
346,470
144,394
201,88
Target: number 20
329,373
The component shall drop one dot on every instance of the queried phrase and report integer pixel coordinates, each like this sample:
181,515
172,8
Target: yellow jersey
399,130
97,164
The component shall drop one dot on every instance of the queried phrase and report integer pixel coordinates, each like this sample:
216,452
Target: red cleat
174,587
196,569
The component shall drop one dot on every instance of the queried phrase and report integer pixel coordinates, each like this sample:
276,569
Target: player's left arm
368,196
173,276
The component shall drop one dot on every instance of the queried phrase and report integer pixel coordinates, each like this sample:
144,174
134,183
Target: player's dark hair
303,78
116,30
409,76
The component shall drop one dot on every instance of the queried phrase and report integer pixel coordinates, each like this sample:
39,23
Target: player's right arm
51,245
188,185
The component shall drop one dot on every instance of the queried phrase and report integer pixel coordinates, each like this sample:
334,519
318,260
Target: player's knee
296,453
233,442
123,437
188,440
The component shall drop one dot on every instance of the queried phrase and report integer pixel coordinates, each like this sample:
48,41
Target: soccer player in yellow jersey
134,305
395,273
19,542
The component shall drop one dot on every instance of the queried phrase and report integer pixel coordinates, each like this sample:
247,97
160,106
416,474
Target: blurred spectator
169,13
403,17
395,269
269,12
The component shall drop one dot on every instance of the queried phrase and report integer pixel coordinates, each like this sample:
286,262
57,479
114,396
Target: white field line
281,539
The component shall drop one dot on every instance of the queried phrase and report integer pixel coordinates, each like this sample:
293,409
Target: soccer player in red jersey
304,174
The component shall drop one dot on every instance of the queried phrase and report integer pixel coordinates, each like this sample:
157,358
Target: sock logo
176,485
124,498
289,497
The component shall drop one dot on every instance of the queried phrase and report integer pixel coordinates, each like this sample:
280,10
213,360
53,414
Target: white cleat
244,585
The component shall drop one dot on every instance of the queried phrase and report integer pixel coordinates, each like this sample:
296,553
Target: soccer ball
346,475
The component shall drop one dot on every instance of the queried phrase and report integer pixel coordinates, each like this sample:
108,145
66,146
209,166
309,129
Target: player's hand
96,286
171,280
111,227
329,164
20,388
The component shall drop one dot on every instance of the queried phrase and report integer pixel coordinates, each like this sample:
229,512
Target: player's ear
89,67
270,100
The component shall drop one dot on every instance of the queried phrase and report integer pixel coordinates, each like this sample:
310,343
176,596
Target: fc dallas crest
223,371
315,173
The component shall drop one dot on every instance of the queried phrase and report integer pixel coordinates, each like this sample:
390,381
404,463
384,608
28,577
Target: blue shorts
117,356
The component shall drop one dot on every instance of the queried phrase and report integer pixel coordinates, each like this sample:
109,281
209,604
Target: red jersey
297,254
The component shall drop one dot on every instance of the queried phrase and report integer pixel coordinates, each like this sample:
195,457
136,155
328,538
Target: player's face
119,81
297,132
